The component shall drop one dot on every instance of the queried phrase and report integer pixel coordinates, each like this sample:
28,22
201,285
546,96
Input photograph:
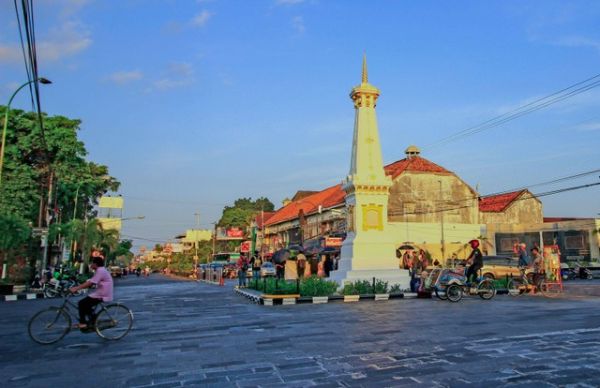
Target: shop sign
245,247
235,232
333,241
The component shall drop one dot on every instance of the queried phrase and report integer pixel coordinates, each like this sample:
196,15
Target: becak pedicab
452,284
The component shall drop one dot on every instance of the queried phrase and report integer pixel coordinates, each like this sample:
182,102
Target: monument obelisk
368,250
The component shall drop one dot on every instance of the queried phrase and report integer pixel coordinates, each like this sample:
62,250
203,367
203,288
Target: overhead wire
531,107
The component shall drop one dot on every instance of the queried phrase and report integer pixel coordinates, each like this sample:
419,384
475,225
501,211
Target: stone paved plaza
195,334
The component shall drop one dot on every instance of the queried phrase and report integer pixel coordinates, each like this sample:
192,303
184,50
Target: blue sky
193,104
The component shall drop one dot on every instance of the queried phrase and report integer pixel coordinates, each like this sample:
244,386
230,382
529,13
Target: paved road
195,334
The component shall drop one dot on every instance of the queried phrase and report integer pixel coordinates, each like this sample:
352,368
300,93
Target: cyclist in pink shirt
103,292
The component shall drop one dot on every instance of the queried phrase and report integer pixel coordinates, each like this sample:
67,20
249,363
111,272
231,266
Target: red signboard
245,247
333,241
235,232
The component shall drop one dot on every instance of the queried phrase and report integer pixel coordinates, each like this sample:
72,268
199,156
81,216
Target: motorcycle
59,284
583,272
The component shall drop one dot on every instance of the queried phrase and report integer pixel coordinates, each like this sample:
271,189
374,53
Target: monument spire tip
365,75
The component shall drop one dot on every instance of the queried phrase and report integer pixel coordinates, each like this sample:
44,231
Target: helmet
474,243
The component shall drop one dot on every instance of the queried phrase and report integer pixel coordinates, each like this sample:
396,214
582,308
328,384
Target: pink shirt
104,285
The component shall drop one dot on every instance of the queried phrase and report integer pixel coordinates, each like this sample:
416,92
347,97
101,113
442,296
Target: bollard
264,284
297,286
373,284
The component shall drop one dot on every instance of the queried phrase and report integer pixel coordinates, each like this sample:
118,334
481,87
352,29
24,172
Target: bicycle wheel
49,291
486,289
49,326
441,293
550,290
454,293
516,287
114,322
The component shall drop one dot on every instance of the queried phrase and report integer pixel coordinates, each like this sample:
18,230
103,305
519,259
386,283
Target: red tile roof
414,164
327,198
498,203
335,195
262,218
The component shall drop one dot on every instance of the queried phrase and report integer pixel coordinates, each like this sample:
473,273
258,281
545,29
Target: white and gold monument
369,249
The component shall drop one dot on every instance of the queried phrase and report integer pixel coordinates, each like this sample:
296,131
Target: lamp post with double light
2,147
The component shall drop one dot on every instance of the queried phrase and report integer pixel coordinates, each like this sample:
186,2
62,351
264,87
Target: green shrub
381,287
315,286
350,289
395,289
274,286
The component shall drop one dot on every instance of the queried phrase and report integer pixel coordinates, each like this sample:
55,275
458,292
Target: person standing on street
523,258
242,265
301,263
538,266
256,263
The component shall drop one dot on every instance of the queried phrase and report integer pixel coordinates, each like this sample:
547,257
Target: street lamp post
42,81
442,222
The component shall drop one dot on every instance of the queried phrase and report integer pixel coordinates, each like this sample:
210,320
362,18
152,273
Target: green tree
14,233
32,156
242,211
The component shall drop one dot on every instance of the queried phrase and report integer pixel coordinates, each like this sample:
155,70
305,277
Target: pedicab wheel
49,326
486,289
441,293
114,322
49,292
516,287
550,290
454,293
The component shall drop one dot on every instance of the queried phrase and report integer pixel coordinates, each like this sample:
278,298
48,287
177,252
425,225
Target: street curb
257,298
28,296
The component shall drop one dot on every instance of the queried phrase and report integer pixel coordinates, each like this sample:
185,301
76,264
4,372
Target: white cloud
66,40
578,41
298,24
288,2
201,19
178,74
10,54
181,69
589,127
169,83
123,77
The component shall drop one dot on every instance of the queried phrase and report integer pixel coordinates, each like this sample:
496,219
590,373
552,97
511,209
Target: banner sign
333,241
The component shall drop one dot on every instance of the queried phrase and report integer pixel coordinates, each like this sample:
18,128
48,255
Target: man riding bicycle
475,259
103,292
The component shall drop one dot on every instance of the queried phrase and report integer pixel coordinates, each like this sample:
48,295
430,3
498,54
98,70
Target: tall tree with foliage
32,156
242,211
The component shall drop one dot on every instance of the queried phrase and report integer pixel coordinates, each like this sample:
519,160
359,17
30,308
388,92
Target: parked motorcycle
583,272
59,284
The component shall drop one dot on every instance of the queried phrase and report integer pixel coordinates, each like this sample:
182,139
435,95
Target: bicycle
110,321
522,284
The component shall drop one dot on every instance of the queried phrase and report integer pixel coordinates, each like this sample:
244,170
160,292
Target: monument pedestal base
392,276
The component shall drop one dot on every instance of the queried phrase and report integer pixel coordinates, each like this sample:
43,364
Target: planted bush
274,286
395,289
381,287
315,286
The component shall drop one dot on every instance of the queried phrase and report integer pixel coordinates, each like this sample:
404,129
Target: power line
540,103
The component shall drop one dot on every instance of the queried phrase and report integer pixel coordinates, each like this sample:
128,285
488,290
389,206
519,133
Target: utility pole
442,222
196,239
214,242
